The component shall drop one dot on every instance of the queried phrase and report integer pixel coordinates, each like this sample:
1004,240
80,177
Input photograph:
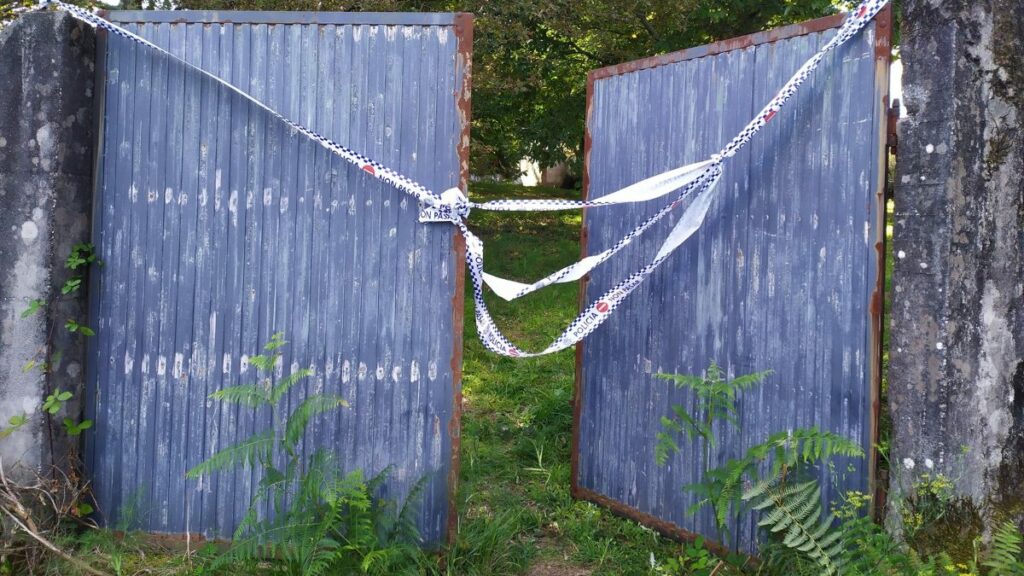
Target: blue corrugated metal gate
783,276
218,227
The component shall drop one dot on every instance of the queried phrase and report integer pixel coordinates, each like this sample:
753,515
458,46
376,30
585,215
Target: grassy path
516,513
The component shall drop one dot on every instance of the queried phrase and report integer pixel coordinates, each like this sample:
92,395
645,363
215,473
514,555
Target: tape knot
452,206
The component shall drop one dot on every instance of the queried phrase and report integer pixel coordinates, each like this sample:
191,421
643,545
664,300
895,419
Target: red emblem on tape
602,307
513,352
770,115
369,170
862,11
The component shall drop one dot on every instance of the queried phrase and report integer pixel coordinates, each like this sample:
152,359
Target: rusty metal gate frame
884,136
463,26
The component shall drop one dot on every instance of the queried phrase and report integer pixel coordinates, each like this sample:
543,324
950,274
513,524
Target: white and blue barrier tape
452,206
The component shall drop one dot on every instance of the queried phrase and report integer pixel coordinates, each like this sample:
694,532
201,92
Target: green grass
517,422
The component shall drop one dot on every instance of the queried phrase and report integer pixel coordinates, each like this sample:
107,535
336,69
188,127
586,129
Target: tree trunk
956,368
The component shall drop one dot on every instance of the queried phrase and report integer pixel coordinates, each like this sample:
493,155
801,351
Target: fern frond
728,481
795,509
304,412
804,446
285,384
749,381
264,362
695,383
665,445
405,529
276,341
246,395
693,426
1004,558
242,551
255,449
376,482
779,559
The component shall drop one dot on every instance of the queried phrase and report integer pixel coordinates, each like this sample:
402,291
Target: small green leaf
16,422
86,331
276,341
33,307
71,285
71,325
29,366
76,429
54,402
83,509
64,396
81,254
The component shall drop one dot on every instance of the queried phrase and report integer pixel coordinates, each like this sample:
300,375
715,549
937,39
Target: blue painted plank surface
218,227
779,277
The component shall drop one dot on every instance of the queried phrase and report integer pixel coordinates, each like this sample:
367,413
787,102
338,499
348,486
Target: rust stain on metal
893,138
577,397
876,308
464,53
883,35
464,35
738,43
663,527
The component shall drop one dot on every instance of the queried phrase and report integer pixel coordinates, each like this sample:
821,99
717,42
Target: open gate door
219,226
786,273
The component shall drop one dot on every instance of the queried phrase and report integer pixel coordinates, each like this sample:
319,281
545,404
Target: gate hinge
893,116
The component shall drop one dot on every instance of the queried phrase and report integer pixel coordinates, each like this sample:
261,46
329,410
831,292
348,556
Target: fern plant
722,487
306,514
715,401
793,511
868,550
1004,558
257,450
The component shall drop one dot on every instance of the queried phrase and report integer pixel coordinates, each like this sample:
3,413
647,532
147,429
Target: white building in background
532,175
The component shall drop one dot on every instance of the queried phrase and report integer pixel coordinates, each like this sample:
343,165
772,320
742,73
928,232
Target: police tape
602,308
511,290
697,180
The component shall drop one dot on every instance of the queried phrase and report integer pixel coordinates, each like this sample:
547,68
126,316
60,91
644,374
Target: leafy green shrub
1005,556
801,538
722,487
697,560
320,520
81,258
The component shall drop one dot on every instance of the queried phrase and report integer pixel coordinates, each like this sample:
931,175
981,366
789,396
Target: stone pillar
956,367
46,158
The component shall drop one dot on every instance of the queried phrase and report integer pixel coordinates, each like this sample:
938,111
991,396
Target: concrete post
46,158
957,350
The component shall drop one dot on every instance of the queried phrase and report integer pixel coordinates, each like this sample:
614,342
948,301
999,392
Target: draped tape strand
452,206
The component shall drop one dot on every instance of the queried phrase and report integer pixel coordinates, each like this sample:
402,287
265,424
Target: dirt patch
553,568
